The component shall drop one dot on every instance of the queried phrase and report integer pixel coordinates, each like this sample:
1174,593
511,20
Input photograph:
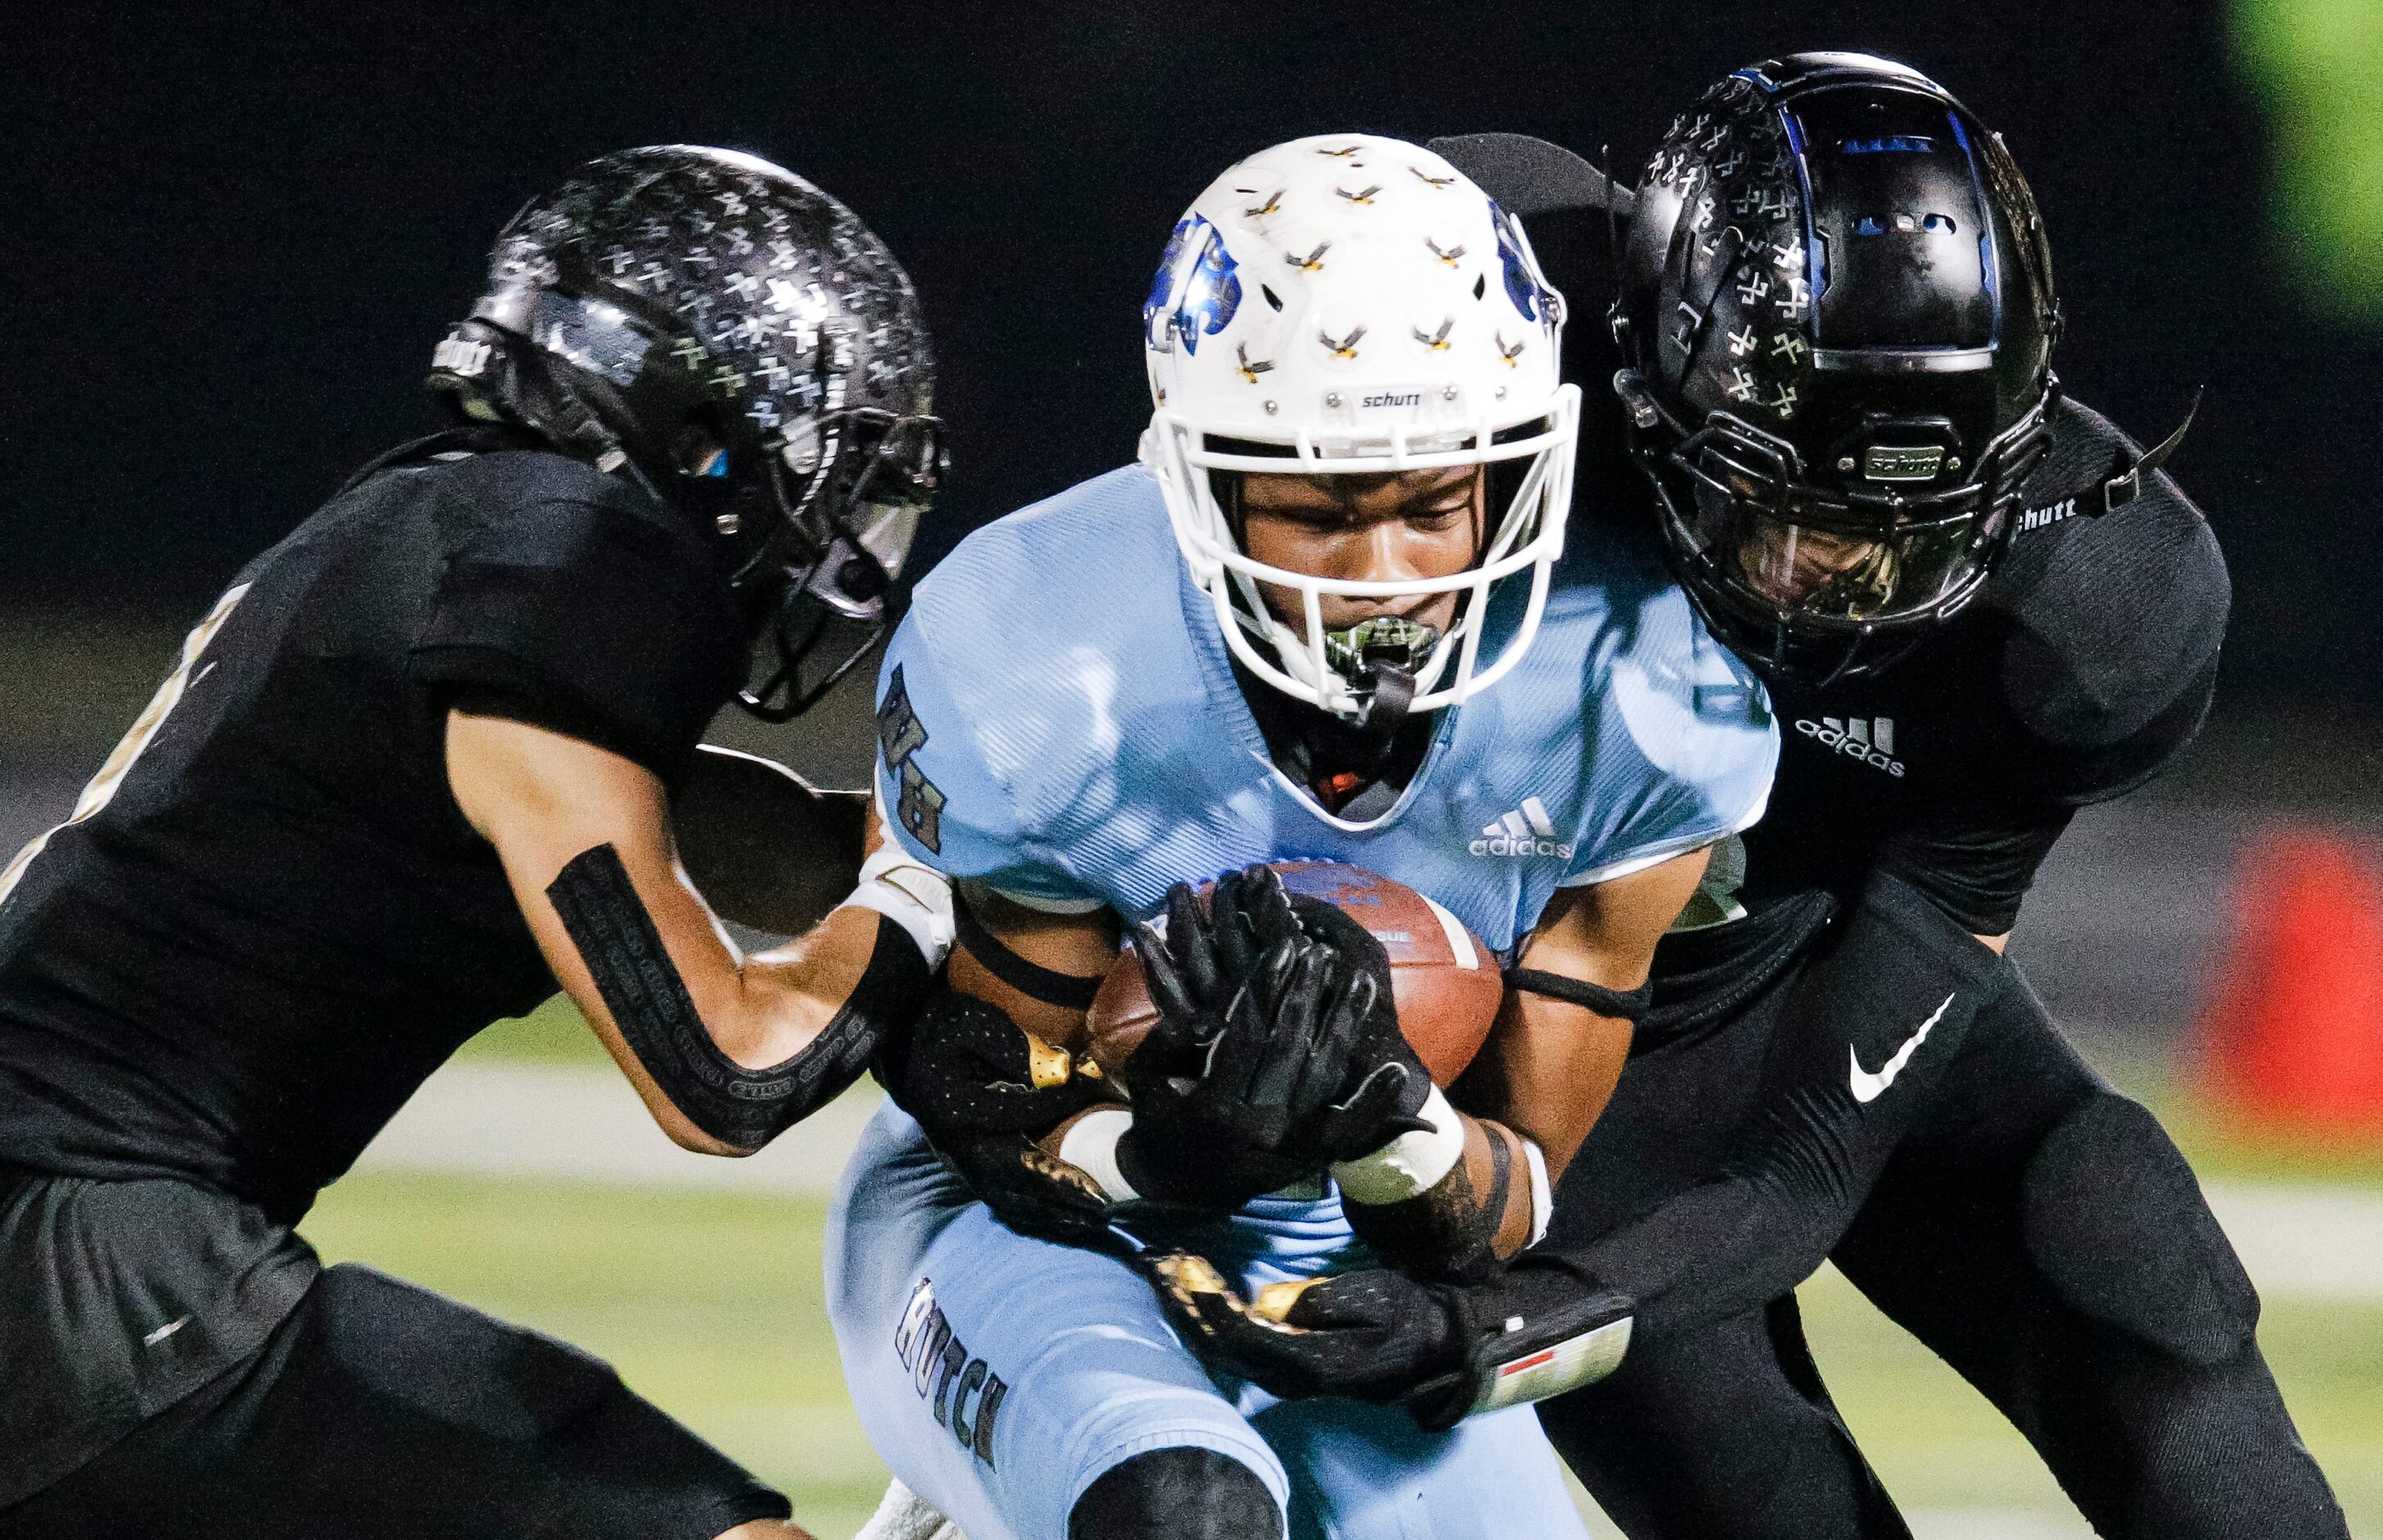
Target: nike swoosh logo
1868,1088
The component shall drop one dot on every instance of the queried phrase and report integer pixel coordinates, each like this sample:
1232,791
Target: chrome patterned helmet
1837,309
720,331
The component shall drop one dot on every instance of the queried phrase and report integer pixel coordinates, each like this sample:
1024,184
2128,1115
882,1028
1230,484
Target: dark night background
230,235
234,236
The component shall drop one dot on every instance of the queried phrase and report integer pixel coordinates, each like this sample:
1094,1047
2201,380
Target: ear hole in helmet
696,452
1480,284
1271,298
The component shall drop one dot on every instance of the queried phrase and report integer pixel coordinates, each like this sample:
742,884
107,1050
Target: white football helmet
1356,306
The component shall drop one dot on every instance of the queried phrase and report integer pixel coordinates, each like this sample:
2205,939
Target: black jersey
1917,805
267,921
2088,661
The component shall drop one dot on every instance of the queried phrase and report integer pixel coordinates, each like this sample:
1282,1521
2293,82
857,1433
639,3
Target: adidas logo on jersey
1527,831
2037,518
1868,739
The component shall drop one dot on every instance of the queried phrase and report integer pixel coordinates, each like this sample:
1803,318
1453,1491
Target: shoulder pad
2110,618
1001,693
2112,622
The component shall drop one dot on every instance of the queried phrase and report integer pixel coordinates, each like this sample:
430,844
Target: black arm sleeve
648,1002
1864,1038
592,619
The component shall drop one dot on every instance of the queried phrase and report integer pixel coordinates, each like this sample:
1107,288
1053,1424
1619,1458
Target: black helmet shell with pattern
1837,311
720,329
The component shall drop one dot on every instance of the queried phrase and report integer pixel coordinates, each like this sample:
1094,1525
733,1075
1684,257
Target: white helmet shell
1348,304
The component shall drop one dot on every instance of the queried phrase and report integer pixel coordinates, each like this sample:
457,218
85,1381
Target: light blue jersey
1058,720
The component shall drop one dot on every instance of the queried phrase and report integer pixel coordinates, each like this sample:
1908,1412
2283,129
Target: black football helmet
719,330
1837,313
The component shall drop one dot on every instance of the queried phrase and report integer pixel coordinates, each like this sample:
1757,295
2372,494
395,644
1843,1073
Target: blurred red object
2293,1036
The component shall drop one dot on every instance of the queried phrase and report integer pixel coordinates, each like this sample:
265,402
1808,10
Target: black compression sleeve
641,986
1866,1037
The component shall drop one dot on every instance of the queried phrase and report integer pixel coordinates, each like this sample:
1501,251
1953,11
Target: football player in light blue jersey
1331,614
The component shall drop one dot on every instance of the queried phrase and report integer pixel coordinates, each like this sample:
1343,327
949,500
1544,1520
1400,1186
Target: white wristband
915,896
1091,1145
1410,1163
1543,1197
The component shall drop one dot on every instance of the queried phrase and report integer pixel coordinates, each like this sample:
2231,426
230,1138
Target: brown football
1445,981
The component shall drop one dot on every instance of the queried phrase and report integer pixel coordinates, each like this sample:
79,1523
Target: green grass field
711,1305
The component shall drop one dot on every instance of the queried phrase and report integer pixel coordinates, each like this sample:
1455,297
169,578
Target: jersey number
102,787
919,803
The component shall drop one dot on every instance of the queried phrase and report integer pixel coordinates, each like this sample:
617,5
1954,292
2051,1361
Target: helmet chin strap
1388,652
1365,738
1384,655
1386,693
1376,664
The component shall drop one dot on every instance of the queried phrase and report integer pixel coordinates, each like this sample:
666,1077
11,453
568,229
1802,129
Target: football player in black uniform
412,772
1978,606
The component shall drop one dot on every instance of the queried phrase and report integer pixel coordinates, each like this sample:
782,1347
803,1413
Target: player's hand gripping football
1442,1351
983,1091
1263,1065
1275,1050
1387,1083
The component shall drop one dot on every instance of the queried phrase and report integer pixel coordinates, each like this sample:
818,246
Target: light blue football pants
999,1376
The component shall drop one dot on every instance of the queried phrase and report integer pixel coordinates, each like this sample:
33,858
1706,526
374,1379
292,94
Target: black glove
1442,1351
1372,1336
1265,906
1034,1191
1314,1074
1268,1064
970,1075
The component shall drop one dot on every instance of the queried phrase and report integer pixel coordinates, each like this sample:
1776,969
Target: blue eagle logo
1157,304
1212,291
1522,287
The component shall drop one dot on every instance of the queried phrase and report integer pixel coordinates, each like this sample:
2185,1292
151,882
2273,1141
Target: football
1446,982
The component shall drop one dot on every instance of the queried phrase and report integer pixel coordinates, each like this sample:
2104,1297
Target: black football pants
2037,1230
303,1402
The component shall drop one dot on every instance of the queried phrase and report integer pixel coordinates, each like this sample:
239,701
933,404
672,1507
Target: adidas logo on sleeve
1527,831
1868,739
